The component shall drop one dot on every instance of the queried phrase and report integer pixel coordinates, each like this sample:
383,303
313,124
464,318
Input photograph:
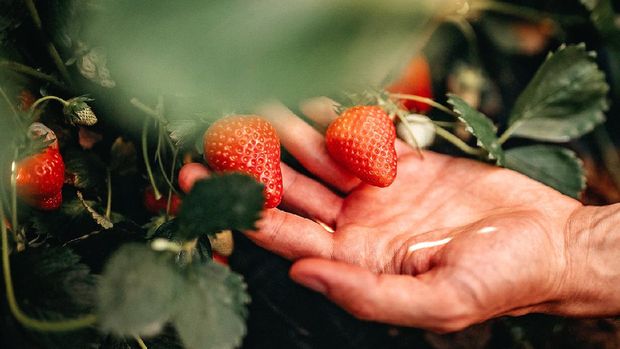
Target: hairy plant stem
20,316
60,65
457,142
24,69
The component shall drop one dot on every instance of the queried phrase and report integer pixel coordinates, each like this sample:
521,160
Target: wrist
591,284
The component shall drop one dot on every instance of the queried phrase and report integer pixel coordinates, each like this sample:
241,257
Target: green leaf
187,133
565,99
137,291
51,283
70,221
237,53
103,221
604,18
85,168
212,311
480,126
231,201
554,166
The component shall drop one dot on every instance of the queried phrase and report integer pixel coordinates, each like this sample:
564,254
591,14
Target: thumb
397,299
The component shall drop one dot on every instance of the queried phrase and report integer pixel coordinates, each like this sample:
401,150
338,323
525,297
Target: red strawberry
416,80
362,140
155,206
247,144
40,177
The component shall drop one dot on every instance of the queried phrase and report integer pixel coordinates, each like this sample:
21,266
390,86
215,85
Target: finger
291,236
309,196
308,146
396,299
322,111
191,173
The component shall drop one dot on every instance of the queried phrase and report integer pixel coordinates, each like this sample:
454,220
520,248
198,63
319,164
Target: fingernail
312,283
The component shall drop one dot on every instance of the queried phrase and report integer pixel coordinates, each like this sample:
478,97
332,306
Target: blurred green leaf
212,311
137,291
236,53
480,126
565,99
554,166
52,284
603,16
231,201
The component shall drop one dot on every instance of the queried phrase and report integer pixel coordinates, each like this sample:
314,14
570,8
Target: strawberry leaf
603,16
480,126
231,201
85,168
565,99
137,291
554,166
103,221
51,283
213,309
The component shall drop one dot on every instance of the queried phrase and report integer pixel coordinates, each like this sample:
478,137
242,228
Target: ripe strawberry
416,80
362,140
40,176
247,144
155,206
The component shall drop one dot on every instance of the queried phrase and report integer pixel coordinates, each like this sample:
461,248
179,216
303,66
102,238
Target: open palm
450,243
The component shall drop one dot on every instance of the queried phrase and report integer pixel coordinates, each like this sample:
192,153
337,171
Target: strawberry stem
147,163
18,120
60,65
409,128
24,69
140,342
171,188
108,206
424,100
457,142
41,100
20,316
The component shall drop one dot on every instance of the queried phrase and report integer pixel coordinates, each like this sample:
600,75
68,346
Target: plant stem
424,100
24,69
22,318
170,187
147,163
140,342
34,105
144,108
457,142
18,120
508,133
60,65
526,13
14,191
108,206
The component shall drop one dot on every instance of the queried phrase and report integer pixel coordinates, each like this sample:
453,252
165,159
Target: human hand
450,243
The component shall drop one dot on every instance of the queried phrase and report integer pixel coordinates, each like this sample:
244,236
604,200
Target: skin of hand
450,243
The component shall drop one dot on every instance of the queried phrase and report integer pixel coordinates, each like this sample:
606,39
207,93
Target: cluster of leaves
565,100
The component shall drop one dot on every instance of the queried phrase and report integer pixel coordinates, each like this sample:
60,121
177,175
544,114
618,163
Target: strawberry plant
131,159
